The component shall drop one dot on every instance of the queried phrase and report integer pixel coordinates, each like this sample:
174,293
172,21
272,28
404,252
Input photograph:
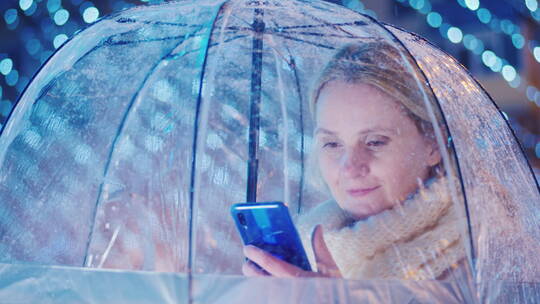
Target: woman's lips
358,192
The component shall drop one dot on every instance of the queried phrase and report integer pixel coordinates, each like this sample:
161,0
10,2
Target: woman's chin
362,211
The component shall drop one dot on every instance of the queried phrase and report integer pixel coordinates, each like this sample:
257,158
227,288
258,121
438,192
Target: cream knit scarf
419,239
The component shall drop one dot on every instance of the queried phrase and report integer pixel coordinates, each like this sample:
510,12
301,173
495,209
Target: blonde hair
378,63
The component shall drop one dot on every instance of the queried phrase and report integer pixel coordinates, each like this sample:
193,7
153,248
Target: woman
392,215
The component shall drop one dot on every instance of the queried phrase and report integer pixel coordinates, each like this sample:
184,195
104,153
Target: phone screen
270,227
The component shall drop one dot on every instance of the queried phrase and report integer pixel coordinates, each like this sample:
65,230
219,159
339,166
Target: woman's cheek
329,167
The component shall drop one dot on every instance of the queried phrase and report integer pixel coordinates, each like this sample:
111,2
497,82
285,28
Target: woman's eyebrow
377,129
323,130
370,130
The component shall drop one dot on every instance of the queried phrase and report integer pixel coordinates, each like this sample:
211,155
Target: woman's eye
330,145
377,142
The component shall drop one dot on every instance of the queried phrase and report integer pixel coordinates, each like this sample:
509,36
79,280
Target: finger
249,269
274,266
323,258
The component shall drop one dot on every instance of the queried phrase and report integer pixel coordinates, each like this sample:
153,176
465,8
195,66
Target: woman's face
370,153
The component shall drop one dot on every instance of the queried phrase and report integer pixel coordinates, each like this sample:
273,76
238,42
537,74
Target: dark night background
497,40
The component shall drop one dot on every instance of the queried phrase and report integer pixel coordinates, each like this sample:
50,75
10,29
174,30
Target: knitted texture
418,239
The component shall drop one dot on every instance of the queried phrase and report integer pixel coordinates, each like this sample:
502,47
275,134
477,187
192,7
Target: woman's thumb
325,263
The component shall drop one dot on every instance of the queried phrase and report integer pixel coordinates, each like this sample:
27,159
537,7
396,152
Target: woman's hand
271,265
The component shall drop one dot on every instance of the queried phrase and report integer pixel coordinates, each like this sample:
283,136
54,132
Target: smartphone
269,226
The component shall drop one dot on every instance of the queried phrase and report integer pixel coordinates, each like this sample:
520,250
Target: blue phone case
269,227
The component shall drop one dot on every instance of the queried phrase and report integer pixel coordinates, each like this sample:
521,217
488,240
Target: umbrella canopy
130,145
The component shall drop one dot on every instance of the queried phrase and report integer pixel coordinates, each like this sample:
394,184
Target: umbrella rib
313,34
126,42
339,25
305,41
131,20
322,25
115,140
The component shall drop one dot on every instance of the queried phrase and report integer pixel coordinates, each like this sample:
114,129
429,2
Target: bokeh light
5,107
10,16
434,19
61,17
455,35
25,4
509,73
472,4
484,15
90,14
489,58
59,40
53,5
507,26
33,46
6,65
518,41
12,78
536,53
532,5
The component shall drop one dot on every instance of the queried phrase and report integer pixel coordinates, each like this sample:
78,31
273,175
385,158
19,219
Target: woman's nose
355,163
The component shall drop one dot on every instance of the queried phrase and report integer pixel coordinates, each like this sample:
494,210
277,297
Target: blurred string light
455,35
504,26
472,43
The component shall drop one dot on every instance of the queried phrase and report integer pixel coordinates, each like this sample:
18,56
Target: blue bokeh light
536,52
90,14
470,42
10,16
6,65
443,29
12,78
5,107
509,73
532,5
61,17
31,10
507,26
489,58
434,19
53,5
455,35
484,15
25,4
518,41
59,40
472,4
33,46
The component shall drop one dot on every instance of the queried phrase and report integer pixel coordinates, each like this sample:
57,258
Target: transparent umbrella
129,146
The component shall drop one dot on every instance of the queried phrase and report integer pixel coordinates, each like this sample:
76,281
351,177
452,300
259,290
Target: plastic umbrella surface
129,147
